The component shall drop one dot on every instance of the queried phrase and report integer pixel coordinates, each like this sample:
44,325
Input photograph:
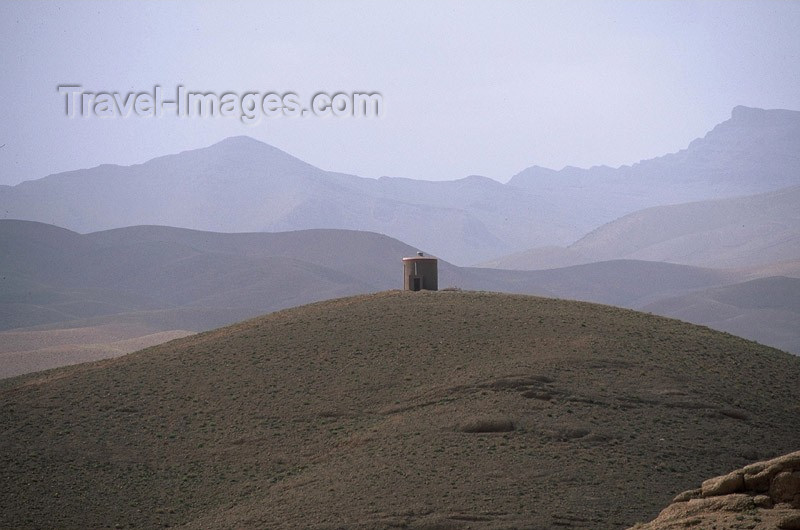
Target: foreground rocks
761,496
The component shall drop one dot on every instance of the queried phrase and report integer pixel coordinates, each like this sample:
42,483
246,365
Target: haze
210,322
469,88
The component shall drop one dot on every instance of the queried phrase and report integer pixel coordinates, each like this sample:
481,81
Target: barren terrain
426,410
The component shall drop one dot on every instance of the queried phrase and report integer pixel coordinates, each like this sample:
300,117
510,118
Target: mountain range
470,408
188,242
736,232
756,150
243,185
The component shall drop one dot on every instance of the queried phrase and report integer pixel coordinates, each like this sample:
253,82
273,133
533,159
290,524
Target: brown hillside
424,410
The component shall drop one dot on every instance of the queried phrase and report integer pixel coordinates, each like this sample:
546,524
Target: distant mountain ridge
737,232
756,150
243,185
751,231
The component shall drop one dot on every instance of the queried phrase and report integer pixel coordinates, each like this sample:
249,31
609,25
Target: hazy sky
468,87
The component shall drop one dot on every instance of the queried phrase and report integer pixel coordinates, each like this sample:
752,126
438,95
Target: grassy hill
430,410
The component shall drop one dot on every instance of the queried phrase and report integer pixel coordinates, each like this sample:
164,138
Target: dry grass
350,413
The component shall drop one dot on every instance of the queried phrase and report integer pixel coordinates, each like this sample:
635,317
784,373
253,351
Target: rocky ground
764,495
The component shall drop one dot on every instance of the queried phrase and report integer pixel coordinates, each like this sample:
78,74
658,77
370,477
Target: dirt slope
370,412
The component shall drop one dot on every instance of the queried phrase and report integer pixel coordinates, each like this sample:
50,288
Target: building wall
425,269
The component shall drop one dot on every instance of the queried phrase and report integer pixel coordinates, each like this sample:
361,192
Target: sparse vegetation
342,413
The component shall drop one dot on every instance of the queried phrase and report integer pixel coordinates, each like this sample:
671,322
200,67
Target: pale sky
468,87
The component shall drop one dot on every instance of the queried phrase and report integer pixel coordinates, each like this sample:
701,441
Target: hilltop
67,298
434,409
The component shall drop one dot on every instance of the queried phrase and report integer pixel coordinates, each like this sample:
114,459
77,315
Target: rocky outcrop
761,496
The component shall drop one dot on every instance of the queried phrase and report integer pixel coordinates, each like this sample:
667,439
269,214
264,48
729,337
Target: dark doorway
416,284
